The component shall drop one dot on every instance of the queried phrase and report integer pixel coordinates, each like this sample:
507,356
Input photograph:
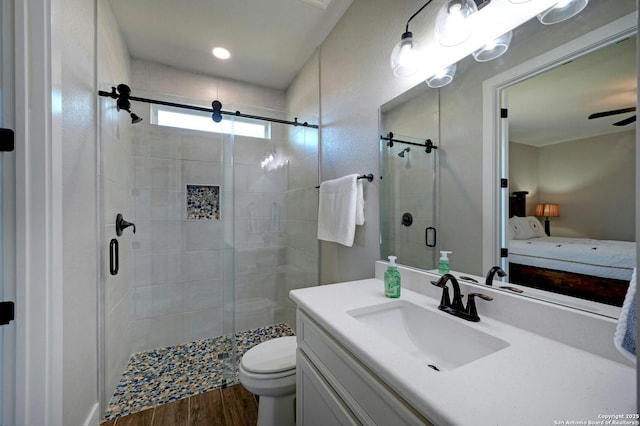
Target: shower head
401,153
134,118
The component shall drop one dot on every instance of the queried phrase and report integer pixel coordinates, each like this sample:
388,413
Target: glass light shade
494,49
404,56
562,11
452,26
442,78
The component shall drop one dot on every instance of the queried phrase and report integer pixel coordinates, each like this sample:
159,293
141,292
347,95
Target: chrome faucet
456,307
492,272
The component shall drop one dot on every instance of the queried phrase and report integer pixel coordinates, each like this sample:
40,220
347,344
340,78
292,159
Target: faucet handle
445,301
471,311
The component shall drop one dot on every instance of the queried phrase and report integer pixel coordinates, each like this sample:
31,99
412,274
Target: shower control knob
122,224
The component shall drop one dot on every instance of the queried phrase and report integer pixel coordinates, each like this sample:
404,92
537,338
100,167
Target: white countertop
534,381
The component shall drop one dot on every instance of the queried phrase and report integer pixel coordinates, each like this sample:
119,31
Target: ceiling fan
615,112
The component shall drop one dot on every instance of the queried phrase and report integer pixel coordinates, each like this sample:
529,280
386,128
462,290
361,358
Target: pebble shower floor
168,374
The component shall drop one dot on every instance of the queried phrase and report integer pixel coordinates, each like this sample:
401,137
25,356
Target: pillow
511,231
526,227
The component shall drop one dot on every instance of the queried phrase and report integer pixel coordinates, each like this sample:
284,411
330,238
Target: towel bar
368,177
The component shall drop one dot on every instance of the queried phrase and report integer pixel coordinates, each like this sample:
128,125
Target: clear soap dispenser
392,279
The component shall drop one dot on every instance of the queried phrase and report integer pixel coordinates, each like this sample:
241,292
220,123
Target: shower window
199,120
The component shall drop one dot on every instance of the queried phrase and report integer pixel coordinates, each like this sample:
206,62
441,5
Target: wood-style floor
232,406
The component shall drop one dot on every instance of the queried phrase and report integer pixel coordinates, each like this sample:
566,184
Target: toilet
269,371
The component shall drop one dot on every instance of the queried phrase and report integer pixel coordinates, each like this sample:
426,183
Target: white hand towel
625,336
359,203
337,208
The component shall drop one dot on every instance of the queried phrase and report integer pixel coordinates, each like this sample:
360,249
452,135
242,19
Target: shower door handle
427,241
7,140
114,257
7,312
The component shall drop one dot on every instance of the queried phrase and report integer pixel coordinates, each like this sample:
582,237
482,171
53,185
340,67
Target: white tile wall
183,272
180,269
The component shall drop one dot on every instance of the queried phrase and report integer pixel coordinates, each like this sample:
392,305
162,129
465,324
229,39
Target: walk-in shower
220,240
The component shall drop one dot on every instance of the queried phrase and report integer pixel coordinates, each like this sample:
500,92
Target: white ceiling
269,40
553,107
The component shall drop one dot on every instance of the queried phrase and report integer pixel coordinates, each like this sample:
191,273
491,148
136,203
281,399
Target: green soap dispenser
392,279
443,264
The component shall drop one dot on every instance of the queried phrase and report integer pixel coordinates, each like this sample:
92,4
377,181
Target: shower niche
203,202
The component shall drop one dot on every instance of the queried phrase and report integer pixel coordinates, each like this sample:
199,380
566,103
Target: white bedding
601,258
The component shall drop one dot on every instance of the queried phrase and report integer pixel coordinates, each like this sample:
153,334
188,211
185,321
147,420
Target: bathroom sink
441,341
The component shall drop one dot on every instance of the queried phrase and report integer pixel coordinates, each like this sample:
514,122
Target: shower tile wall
183,269
177,278
260,235
301,217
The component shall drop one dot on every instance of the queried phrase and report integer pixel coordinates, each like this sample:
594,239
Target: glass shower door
408,201
7,216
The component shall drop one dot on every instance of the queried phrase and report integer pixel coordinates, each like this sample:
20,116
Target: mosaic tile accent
203,202
168,374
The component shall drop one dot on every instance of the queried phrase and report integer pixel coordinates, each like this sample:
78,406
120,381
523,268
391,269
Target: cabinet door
316,402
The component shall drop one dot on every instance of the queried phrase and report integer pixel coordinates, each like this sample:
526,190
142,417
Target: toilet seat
273,358
269,371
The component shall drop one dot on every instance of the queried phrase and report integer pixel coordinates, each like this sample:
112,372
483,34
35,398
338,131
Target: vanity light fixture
561,11
452,25
494,49
404,56
442,78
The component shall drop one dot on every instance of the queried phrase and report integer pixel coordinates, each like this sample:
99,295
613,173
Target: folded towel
359,202
338,211
625,335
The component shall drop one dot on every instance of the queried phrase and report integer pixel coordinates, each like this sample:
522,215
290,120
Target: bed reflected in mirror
571,162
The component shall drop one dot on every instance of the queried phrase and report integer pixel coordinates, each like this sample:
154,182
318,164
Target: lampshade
404,56
518,1
548,210
561,11
452,26
494,49
442,78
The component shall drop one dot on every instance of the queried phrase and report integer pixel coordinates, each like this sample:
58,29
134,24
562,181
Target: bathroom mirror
529,42
572,178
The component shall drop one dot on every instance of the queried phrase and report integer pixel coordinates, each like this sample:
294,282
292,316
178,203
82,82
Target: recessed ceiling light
322,4
221,53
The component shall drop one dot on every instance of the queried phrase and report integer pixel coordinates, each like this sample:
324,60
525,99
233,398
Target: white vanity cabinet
333,388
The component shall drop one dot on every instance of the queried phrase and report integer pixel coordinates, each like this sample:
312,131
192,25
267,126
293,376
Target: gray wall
523,172
79,209
356,79
592,181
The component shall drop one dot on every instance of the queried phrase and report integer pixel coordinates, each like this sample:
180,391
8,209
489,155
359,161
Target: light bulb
452,24
404,57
